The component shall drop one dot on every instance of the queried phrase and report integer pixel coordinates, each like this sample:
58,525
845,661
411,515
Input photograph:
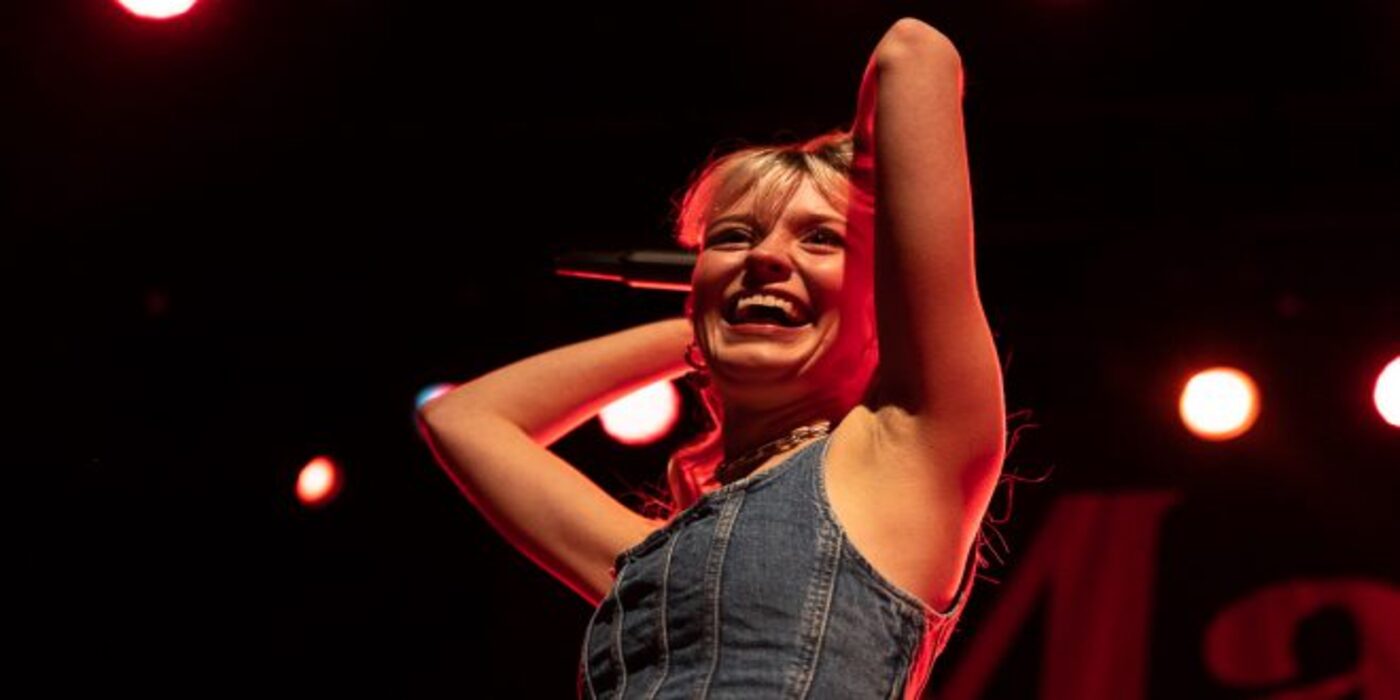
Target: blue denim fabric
755,592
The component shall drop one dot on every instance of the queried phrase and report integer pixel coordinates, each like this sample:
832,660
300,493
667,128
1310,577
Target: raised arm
939,385
491,435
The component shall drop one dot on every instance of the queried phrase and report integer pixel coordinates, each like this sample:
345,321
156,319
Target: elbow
428,421
429,409
444,408
913,41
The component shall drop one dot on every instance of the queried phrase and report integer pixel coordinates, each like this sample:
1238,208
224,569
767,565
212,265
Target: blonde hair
773,174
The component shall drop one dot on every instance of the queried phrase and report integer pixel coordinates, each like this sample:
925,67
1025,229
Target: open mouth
766,309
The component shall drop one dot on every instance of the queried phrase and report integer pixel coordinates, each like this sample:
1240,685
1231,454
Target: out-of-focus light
157,9
1387,393
644,416
319,482
430,393
1219,404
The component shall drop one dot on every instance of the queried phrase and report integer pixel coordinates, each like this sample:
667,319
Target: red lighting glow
1220,403
156,9
1387,394
644,416
319,482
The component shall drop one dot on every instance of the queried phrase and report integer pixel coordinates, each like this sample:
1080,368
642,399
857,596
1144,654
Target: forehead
769,204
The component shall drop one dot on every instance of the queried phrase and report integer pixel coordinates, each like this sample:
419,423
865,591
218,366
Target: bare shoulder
887,447
912,531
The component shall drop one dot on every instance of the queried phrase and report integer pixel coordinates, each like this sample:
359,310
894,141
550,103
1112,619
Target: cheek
707,282
830,286
705,265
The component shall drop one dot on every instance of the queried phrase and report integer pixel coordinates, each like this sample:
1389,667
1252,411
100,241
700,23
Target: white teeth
768,300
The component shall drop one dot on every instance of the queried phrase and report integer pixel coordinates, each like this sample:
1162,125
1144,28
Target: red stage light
643,416
156,9
1387,393
1219,404
319,482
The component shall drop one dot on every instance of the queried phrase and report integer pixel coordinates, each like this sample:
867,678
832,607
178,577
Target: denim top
755,591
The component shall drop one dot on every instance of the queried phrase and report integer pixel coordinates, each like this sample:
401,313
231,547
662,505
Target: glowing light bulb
644,416
1220,403
1387,394
318,482
157,9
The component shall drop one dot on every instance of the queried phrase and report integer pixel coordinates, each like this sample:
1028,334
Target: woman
822,543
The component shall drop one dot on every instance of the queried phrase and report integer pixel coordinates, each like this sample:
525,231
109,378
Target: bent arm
939,381
491,435
550,394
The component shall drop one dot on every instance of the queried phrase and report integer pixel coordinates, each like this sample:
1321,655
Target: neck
748,427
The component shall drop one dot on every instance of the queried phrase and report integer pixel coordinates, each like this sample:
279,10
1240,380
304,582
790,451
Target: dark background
249,236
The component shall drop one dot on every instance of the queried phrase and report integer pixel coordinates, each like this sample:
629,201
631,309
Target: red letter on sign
1097,559
1252,644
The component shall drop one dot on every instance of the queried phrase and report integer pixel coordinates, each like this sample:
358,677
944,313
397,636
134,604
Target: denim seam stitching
618,614
907,601
665,614
752,482
587,641
724,525
816,612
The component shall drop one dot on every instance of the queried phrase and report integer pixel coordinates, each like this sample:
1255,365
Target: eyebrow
741,218
803,219
807,218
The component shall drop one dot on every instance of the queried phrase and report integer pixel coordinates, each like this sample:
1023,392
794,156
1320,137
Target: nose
767,262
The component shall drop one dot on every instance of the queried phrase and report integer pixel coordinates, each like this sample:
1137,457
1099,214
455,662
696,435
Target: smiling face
780,308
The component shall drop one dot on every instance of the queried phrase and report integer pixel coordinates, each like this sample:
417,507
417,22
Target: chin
756,364
765,354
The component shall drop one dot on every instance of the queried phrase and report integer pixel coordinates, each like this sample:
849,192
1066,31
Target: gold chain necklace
768,449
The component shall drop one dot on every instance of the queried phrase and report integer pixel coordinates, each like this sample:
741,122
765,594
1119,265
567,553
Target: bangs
771,175
770,184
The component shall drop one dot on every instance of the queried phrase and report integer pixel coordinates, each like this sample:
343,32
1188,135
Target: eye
728,237
826,236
